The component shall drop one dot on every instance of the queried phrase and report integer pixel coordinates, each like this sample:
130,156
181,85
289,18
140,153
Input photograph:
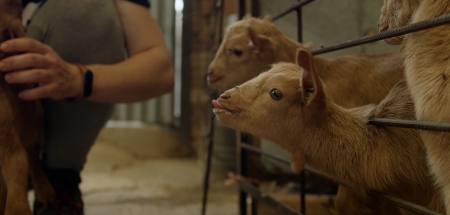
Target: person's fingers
24,61
28,76
43,91
24,44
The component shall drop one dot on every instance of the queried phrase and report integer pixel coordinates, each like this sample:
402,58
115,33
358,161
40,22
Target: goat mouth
212,80
220,108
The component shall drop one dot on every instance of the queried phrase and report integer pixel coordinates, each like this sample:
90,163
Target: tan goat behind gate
252,45
20,126
290,106
427,71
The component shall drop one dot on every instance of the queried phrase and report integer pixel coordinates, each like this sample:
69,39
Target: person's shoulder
144,3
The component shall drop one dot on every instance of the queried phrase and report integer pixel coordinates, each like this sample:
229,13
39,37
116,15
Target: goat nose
210,71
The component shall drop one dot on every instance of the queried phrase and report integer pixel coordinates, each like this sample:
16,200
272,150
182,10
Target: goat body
427,71
252,45
20,126
290,106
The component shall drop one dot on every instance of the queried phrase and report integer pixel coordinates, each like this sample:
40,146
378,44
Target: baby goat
251,45
289,105
20,126
427,71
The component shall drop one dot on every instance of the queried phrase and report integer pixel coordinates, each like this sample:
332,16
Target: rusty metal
423,25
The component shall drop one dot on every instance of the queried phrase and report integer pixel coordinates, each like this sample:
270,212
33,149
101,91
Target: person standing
84,56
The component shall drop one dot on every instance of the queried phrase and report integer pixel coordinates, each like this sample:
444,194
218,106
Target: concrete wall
328,22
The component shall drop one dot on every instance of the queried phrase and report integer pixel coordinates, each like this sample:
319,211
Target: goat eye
276,94
237,52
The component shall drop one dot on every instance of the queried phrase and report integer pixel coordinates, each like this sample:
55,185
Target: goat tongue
217,105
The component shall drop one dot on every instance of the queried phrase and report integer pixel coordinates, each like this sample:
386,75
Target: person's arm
147,73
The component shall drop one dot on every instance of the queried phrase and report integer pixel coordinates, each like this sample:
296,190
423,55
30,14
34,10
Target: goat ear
308,45
261,43
311,86
268,18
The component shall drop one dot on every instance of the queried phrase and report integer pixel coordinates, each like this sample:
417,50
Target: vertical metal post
218,10
208,165
302,174
256,8
241,8
185,120
242,169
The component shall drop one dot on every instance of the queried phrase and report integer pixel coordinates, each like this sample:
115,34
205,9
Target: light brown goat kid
427,71
20,126
252,45
290,106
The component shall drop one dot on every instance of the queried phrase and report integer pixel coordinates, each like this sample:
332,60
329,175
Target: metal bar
393,200
302,174
241,9
423,25
417,209
241,170
184,120
257,150
302,193
256,8
218,9
434,126
242,154
208,165
278,207
294,7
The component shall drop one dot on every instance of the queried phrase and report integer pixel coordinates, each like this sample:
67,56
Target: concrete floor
117,183
122,177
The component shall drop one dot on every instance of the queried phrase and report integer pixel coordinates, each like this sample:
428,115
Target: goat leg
44,191
2,193
15,170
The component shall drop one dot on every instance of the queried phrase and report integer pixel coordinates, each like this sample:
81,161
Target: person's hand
39,64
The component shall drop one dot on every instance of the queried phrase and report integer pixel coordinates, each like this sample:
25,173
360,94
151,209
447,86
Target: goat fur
351,80
330,138
427,71
20,127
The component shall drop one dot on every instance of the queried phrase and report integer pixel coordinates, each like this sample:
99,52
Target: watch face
88,81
